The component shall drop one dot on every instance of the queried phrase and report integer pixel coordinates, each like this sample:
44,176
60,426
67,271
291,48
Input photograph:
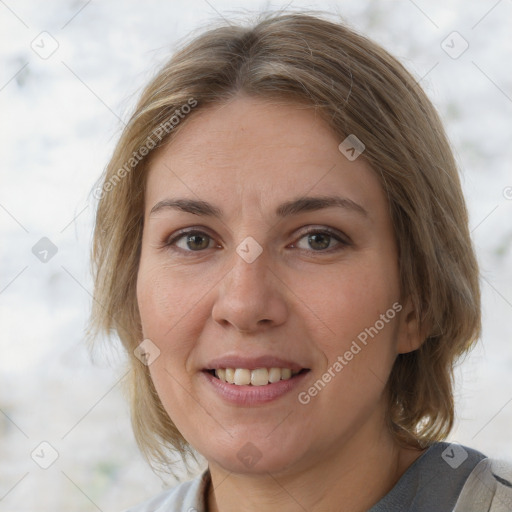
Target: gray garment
488,488
432,483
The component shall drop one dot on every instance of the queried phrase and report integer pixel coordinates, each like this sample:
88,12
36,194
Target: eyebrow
293,207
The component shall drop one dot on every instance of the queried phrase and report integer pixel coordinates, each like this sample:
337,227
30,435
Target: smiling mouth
257,377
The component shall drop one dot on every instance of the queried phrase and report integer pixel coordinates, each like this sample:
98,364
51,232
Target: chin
254,462
255,455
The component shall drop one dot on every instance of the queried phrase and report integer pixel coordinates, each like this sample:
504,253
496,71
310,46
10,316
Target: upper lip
252,363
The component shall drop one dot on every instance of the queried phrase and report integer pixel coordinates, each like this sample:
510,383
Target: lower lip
253,395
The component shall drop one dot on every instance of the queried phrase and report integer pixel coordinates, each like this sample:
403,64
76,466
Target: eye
191,241
321,240
316,240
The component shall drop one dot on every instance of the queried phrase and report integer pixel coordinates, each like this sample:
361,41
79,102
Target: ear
410,335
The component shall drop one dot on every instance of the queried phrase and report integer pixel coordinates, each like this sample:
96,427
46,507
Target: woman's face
268,253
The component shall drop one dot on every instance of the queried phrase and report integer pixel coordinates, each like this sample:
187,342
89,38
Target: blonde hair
359,89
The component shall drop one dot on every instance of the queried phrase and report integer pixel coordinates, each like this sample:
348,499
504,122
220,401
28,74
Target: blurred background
71,72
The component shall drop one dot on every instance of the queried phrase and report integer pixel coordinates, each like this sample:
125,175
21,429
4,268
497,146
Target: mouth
246,381
255,377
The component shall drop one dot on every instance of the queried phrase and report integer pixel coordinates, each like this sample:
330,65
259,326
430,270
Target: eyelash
339,237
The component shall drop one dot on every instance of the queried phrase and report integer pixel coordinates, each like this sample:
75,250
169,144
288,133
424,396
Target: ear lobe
410,335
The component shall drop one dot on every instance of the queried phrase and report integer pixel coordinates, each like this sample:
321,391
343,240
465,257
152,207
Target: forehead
258,152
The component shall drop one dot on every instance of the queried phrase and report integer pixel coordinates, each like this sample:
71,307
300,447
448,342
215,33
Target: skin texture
304,299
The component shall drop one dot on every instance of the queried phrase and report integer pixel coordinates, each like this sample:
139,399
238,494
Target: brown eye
321,241
318,241
192,241
197,242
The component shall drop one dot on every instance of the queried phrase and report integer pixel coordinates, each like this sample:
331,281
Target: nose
251,297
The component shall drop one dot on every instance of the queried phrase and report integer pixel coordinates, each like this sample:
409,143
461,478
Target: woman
282,246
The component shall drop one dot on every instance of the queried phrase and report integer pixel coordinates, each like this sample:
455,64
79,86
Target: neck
351,479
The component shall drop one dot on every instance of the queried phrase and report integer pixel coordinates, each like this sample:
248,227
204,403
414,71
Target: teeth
258,377
274,375
286,373
242,377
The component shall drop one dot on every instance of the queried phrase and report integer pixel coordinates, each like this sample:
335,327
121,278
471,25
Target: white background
60,118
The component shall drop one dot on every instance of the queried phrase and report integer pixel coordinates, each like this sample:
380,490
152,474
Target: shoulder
488,487
185,497
433,481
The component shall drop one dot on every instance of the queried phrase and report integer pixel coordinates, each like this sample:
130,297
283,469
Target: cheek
171,318
164,299
155,294
349,300
166,308
355,320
